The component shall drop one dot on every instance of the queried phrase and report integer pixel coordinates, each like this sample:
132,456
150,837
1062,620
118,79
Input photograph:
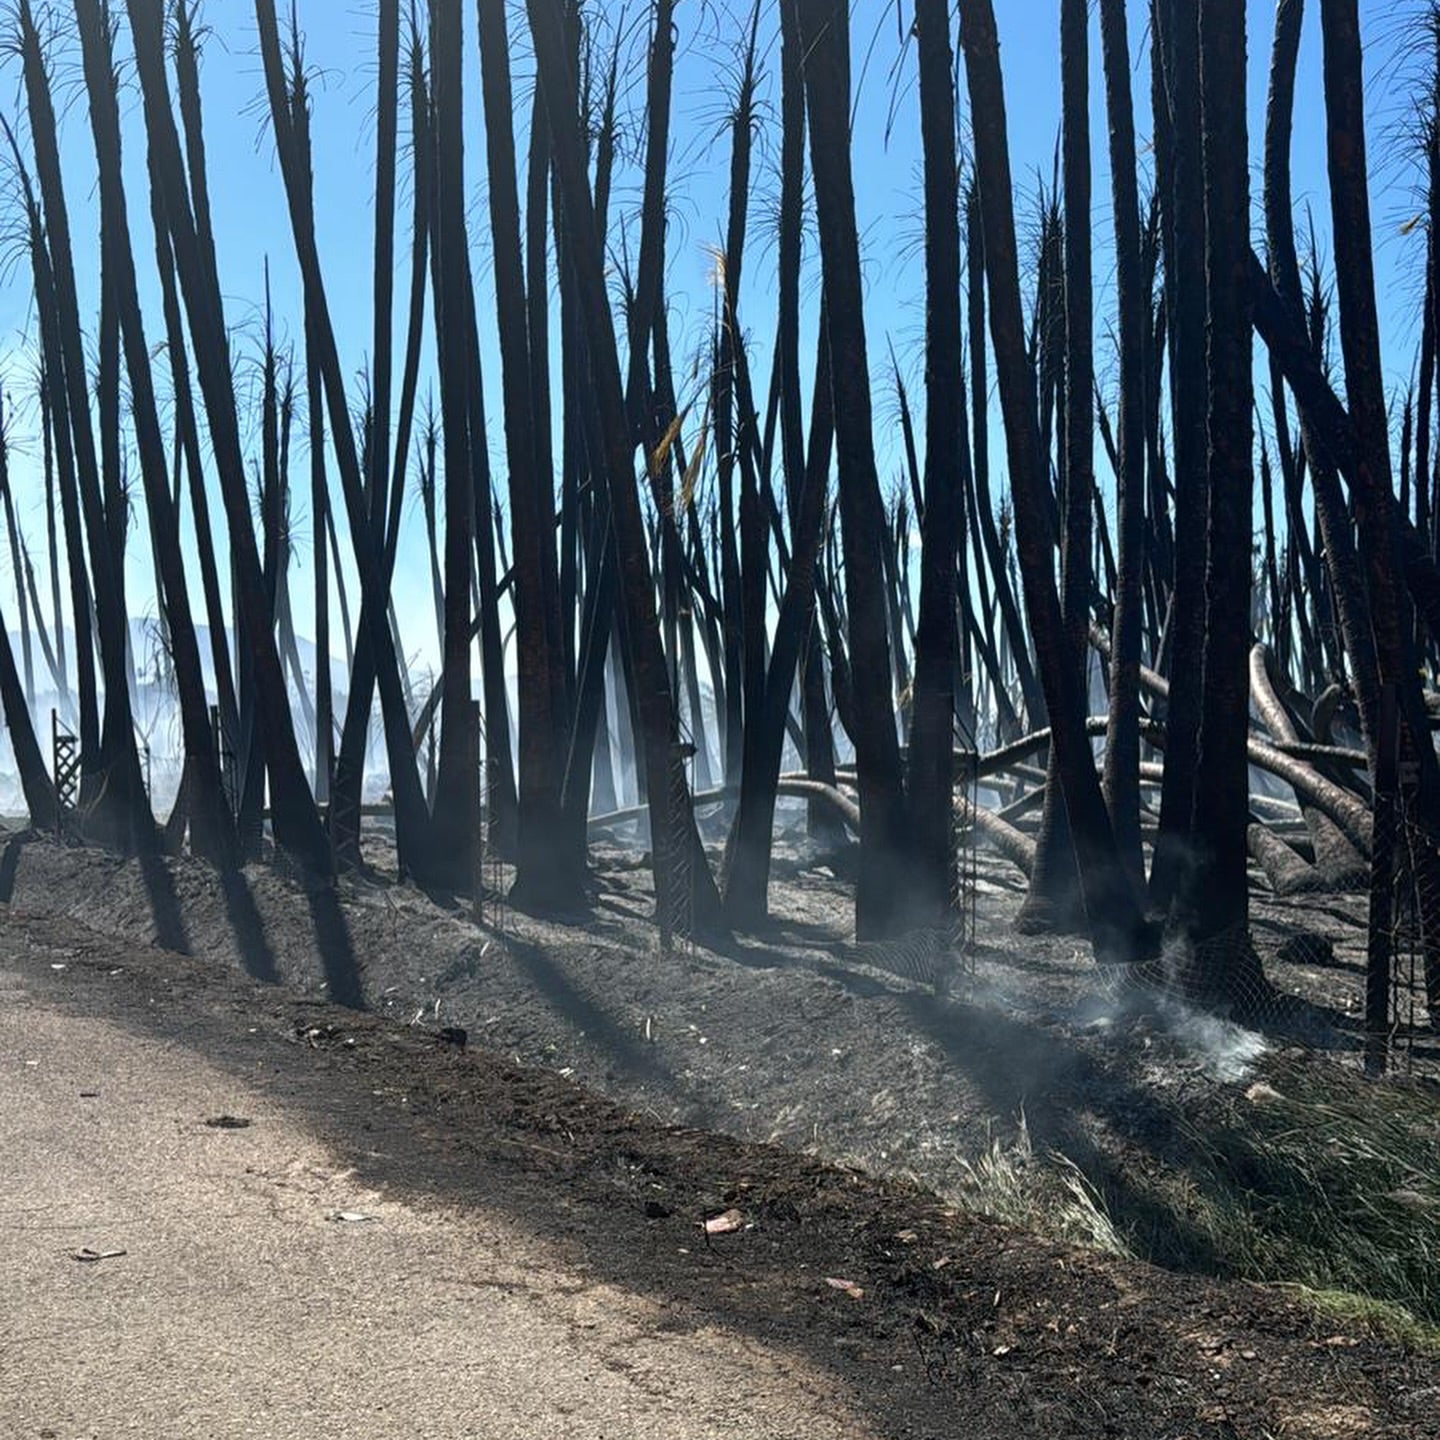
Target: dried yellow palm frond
692,470
661,452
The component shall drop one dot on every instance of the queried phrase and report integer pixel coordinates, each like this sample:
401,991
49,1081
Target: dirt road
381,1234
257,1286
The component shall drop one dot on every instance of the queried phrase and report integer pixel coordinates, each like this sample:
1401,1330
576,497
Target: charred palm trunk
35,782
754,536
296,822
1052,901
1212,907
345,787
118,810
188,435
47,446
931,777
211,825
669,798
881,898
319,509
819,742
289,111
549,871
1336,531
992,554
18,561
748,850
1117,925
55,413
458,787
1176,28
1377,524
1122,740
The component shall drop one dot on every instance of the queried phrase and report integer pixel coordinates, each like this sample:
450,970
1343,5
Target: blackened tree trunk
211,824
1118,931
294,816
549,872
1337,533
18,561
47,446
118,810
457,794
1122,739
1377,523
669,799
1182,211
319,509
881,898
748,850
289,113
931,778
1212,907
993,551
819,742
1052,901
35,782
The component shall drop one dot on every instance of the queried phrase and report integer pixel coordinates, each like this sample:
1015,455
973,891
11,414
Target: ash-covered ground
800,1037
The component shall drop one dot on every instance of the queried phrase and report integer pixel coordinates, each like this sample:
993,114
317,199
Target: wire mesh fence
489,902
676,903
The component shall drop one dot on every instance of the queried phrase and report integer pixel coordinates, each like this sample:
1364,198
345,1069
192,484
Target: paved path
245,1305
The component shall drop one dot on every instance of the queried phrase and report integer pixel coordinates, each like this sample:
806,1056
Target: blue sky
252,224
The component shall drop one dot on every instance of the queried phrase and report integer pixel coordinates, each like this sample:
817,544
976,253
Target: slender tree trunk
211,825
419,845
47,445
881,895
666,790
1052,901
549,872
1176,27
296,822
17,556
119,811
1117,924
993,552
931,778
748,851
1377,524
1122,740
458,789
1212,907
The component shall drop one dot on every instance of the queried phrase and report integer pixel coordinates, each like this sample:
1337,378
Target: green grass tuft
1375,1317
1311,1176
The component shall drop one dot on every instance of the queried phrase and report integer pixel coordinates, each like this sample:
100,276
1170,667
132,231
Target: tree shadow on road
170,929
623,1199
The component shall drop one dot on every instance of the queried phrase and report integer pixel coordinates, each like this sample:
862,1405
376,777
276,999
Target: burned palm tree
1052,901
549,868
1116,922
1213,904
294,816
880,905
211,823
118,810
668,793
931,777
1122,740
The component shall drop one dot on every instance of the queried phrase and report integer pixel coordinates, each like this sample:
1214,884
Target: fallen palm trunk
1286,871
1003,837
1337,864
1348,813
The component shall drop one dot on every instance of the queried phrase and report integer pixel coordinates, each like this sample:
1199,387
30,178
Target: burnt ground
806,1041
